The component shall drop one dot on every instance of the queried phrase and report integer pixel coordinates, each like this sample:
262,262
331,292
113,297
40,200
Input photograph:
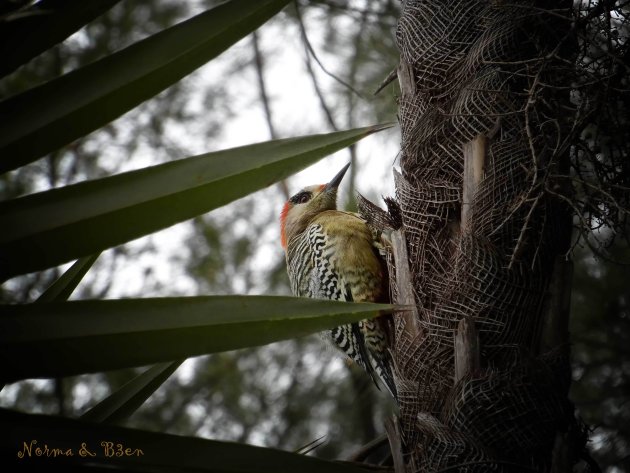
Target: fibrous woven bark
470,69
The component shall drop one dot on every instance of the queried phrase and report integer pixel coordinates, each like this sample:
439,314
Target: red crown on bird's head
283,224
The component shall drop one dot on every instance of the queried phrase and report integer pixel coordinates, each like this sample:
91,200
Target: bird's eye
301,197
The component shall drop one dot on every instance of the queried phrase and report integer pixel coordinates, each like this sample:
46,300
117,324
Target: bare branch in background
311,73
262,88
264,98
375,16
351,100
311,51
308,52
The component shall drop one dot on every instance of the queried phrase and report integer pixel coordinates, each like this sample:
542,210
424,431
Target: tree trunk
483,372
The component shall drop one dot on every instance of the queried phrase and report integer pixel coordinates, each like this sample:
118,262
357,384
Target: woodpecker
332,254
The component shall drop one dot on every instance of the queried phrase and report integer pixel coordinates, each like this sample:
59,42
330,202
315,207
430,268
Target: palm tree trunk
483,371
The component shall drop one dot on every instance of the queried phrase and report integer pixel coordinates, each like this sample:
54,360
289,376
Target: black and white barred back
317,269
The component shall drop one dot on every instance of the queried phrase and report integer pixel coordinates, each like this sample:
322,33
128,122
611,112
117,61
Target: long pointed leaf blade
68,338
159,452
42,25
56,113
125,401
61,289
309,447
56,226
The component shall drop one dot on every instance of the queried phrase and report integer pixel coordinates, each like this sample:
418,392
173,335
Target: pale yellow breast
350,249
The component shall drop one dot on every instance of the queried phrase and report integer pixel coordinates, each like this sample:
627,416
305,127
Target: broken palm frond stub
513,117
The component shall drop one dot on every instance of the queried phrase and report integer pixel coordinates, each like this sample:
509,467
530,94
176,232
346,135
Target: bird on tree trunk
332,254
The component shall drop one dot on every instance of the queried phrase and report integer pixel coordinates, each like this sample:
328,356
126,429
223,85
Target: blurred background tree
600,326
283,395
286,394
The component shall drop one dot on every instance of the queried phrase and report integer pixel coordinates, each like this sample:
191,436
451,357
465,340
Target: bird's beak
334,183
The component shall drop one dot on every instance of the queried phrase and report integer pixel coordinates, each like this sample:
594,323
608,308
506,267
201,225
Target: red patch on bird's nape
283,225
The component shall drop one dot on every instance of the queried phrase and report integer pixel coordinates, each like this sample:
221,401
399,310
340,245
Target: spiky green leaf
32,30
61,289
119,405
68,338
50,228
58,112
